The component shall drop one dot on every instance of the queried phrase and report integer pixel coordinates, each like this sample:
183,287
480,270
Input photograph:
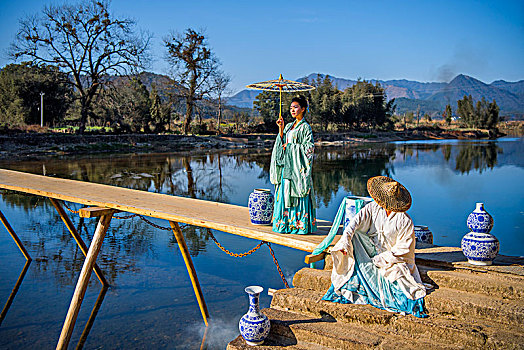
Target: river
150,303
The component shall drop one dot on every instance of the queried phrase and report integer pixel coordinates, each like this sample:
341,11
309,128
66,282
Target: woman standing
290,172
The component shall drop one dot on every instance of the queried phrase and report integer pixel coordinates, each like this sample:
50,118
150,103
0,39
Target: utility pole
42,109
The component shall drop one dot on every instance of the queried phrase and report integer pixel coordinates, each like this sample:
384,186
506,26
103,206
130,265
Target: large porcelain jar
260,206
479,246
254,326
423,234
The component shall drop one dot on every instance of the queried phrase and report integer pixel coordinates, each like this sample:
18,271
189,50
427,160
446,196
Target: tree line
73,52
83,46
362,106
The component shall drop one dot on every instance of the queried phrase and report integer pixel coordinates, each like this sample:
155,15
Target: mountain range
431,97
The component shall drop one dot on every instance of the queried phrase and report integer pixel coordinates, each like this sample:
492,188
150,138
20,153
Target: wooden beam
310,258
14,236
77,237
83,280
191,269
95,212
217,216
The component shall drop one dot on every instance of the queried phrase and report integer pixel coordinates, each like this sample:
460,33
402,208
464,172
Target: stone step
296,331
504,286
441,300
437,328
467,306
272,344
323,330
327,332
313,279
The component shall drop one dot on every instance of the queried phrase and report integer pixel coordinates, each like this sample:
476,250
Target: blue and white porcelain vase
260,206
353,205
479,220
254,326
423,234
479,246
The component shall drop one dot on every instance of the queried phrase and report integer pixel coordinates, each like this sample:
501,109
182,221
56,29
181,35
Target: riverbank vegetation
79,78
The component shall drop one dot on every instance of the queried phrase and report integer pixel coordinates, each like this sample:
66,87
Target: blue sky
258,40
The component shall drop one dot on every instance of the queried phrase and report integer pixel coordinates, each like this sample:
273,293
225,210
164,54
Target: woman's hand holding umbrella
280,123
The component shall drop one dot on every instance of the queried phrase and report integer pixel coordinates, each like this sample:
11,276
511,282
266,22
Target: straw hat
389,194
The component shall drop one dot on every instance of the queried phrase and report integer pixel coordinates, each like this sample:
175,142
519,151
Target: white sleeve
402,247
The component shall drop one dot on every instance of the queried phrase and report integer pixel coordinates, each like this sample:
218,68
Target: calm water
150,303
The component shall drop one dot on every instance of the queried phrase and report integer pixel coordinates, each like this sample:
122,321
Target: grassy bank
41,142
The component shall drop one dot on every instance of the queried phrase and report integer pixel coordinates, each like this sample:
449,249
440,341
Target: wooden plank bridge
105,200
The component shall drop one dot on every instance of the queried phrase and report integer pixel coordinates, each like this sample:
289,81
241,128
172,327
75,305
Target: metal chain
71,210
251,252
241,255
153,224
125,217
277,264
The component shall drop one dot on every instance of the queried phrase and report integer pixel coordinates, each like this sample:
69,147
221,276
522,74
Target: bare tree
193,64
86,42
220,82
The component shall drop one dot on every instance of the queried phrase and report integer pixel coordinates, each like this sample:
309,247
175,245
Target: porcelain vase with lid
260,206
479,246
423,234
254,326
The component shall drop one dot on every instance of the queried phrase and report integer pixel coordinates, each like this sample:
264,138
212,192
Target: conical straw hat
389,194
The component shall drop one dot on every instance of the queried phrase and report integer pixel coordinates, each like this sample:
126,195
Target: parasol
281,85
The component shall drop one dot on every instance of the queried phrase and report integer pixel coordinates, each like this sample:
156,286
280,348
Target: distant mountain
416,89
431,97
465,85
164,85
340,83
167,88
243,99
516,88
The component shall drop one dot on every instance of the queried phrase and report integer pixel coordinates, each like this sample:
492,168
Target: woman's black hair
301,100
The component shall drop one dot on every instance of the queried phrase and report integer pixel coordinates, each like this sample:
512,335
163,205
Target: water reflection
14,291
445,180
208,176
349,169
92,317
467,156
480,158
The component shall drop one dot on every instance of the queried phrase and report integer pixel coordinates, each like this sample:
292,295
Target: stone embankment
36,145
469,308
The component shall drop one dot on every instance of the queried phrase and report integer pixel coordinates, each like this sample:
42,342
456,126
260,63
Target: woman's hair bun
301,100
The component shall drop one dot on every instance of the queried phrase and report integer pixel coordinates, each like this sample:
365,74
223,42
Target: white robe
394,241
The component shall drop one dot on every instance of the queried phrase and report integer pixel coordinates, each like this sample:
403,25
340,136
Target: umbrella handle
280,102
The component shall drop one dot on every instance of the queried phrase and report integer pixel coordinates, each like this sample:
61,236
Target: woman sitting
374,261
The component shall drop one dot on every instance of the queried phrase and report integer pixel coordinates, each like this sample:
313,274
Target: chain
241,255
231,253
251,252
124,217
276,263
153,224
71,210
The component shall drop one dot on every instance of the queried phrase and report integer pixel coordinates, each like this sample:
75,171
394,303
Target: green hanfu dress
290,172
